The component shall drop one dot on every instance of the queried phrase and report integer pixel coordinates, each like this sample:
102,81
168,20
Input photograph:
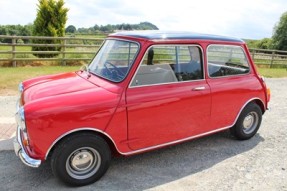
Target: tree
96,27
17,30
107,28
265,43
50,21
71,29
280,34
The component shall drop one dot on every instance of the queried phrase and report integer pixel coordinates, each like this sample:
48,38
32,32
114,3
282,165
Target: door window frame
226,76
175,45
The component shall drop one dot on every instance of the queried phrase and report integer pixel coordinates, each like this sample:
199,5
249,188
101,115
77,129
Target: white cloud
241,18
17,11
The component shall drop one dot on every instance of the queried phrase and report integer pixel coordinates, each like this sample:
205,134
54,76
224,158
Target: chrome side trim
174,142
20,151
169,83
156,146
136,151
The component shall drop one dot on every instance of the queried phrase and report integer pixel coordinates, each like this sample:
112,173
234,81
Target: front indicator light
268,94
26,142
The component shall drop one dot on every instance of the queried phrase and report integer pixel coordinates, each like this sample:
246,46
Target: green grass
11,77
273,72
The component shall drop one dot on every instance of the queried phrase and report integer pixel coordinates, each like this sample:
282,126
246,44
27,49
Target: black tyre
248,122
81,159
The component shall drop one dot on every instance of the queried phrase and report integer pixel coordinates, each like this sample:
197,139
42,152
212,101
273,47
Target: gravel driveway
217,162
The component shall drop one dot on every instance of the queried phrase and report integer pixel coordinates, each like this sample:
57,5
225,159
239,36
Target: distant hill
144,26
111,28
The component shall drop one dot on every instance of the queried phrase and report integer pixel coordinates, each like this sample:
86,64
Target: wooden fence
19,49
269,58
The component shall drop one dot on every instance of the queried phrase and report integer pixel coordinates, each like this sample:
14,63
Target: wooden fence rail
19,49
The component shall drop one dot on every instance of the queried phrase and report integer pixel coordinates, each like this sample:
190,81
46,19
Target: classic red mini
142,91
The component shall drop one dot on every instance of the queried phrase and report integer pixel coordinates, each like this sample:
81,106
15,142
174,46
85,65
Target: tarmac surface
216,162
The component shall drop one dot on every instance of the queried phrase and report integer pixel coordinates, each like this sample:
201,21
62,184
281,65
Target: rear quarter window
226,60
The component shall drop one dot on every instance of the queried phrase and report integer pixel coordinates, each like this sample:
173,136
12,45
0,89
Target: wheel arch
245,131
260,103
257,101
93,131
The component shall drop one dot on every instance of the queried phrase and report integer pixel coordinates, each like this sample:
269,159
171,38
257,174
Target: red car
142,91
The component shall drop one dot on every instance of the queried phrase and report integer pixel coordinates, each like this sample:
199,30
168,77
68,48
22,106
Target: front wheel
81,159
248,122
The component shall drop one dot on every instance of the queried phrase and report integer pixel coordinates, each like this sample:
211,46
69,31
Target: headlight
20,118
20,87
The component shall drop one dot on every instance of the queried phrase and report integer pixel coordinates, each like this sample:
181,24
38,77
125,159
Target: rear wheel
248,122
81,159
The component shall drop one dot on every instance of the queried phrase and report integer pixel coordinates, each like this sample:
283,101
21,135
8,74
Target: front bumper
20,151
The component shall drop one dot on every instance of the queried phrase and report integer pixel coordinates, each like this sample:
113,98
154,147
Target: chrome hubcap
82,160
83,163
250,122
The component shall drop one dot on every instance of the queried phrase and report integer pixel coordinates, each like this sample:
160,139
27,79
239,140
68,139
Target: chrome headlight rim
20,87
21,118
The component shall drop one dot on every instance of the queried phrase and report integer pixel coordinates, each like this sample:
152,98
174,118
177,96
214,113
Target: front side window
114,59
226,60
169,64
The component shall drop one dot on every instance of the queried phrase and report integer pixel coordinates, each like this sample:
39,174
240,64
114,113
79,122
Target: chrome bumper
20,151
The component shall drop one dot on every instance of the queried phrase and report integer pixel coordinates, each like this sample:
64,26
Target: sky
248,19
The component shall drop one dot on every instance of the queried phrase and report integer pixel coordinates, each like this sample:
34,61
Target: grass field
11,77
273,72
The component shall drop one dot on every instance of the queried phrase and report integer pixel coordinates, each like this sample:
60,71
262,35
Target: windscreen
114,59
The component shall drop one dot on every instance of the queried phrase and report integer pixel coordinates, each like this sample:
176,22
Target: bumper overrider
20,151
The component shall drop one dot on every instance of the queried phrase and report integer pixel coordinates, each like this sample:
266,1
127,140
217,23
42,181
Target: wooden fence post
63,52
253,55
13,52
271,63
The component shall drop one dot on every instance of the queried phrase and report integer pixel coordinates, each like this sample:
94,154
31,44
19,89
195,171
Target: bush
50,21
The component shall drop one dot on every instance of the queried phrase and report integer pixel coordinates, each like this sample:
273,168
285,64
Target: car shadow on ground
137,172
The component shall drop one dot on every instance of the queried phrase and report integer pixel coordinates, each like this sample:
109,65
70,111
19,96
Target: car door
231,83
167,100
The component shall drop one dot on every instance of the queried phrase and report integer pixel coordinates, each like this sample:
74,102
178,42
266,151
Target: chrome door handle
200,88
